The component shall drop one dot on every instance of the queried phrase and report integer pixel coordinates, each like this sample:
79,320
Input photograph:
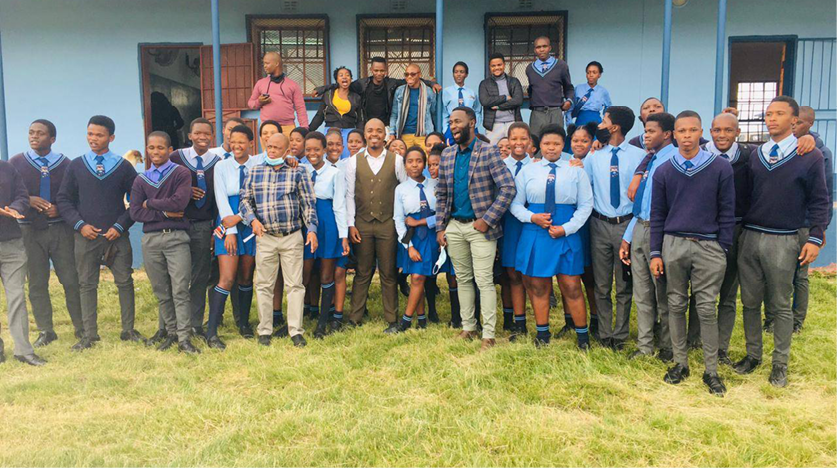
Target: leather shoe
158,337
779,376
264,340
44,338
768,326
665,355
487,343
197,332
336,326
79,334
215,343
797,328
132,335
455,324
246,331
638,354
723,358
617,345
392,328
82,344
716,386
281,331
563,332
584,347
467,335
320,332
298,341
167,343
187,347
31,359
676,374
746,365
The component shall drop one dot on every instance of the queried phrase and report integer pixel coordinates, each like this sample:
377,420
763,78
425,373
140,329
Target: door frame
790,59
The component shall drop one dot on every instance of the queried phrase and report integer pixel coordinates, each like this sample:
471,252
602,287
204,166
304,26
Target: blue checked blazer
490,185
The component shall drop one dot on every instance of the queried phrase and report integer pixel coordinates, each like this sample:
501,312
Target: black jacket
359,87
490,96
328,113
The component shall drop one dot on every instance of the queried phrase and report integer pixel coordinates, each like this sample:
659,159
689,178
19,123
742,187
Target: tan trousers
271,250
413,140
472,256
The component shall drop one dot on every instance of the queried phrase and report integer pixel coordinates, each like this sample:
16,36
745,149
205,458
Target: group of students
670,220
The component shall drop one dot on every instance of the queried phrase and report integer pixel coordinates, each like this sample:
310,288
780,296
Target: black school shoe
746,365
45,338
158,337
264,340
715,384
298,341
167,343
215,343
82,345
132,335
676,374
723,358
187,347
779,376
665,355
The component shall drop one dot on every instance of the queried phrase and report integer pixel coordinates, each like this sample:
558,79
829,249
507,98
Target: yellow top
343,105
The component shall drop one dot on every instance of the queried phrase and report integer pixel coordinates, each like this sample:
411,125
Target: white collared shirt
730,152
786,147
408,201
375,164
331,185
227,184
190,154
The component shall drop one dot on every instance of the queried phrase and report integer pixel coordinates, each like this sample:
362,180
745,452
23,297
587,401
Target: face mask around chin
274,162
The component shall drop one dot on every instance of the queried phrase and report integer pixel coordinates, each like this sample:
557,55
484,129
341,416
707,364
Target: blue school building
144,63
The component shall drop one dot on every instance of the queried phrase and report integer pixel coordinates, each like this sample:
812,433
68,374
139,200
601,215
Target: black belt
616,220
465,220
644,222
545,108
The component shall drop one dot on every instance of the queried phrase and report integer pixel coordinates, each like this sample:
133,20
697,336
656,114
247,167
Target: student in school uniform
692,221
277,224
431,140
649,292
235,245
649,106
785,191
591,100
267,129
458,95
46,236
91,200
14,200
201,213
550,87
514,317
505,147
434,160
224,151
415,222
356,141
332,230
553,202
334,150
159,197
610,170
501,96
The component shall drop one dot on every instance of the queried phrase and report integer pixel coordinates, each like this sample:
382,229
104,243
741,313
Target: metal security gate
816,70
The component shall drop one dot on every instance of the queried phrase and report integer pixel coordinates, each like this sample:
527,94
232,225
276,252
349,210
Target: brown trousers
378,243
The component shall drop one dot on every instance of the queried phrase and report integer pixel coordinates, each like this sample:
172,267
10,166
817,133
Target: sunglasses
408,74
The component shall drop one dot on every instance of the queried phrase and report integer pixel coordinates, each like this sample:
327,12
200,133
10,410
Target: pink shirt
285,98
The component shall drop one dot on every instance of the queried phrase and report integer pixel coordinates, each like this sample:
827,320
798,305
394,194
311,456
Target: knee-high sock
217,302
430,291
278,318
245,300
455,315
326,300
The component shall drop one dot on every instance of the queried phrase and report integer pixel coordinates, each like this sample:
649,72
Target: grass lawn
421,398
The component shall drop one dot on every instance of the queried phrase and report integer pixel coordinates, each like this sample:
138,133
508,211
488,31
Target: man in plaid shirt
475,189
277,201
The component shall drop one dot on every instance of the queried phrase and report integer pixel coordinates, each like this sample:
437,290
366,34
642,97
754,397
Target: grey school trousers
701,264
13,275
766,265
605,240
42,245
88,255
541,117
168,264
200,248
728,294
649,293
800,287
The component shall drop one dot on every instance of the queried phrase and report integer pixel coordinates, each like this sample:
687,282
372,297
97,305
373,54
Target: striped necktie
640,193
615,197
242,174
100,165
43,188
774,154
424,211
549,199
201,181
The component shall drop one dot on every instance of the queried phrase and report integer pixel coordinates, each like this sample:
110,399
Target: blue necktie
227,155
615,197
314,177
242,174
43,189
688,165
774,154
543,67
461,97
518,166
549,203
640,193
424,211
725,156
100,165
201,182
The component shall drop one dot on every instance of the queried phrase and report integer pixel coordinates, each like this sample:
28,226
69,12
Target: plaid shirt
282,200
490,185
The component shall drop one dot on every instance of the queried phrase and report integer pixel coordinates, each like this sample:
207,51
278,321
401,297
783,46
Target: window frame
363,67
251,25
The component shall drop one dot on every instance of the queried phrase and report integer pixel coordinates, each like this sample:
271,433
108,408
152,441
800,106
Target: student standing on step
551,90
501,96
786,190
591,100
158,199
224,151
92,201
458,95
46,236
692,221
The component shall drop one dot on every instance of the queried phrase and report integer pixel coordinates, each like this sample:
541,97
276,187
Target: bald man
277,222
278,97
371,178
413,109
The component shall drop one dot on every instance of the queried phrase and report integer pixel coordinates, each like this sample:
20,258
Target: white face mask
274,162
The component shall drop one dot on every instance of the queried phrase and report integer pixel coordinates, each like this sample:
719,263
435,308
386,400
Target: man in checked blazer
474,191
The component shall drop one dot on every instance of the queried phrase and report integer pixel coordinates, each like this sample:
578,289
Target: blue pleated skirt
512,227
428,248
541,256
244,231
588,116
329,244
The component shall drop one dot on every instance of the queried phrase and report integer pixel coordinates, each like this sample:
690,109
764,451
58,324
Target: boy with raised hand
46,237
692,220
158,198
786,191
92,201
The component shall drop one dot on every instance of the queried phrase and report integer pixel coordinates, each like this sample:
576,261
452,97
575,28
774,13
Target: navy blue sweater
209,210
740,162
783,195
700,204
172,193
85,198
14,195
30,172
551,89
828,161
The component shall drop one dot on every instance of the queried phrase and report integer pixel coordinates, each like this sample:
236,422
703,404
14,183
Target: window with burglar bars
302,41
752,100
514,37
401,41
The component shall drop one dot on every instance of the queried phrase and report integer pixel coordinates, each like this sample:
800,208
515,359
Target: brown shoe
467,335
487,343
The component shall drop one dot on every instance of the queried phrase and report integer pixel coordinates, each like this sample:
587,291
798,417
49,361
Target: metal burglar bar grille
514,36
752,100
401,40
302,43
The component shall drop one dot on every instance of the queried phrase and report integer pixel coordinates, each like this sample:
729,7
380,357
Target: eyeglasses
408,74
